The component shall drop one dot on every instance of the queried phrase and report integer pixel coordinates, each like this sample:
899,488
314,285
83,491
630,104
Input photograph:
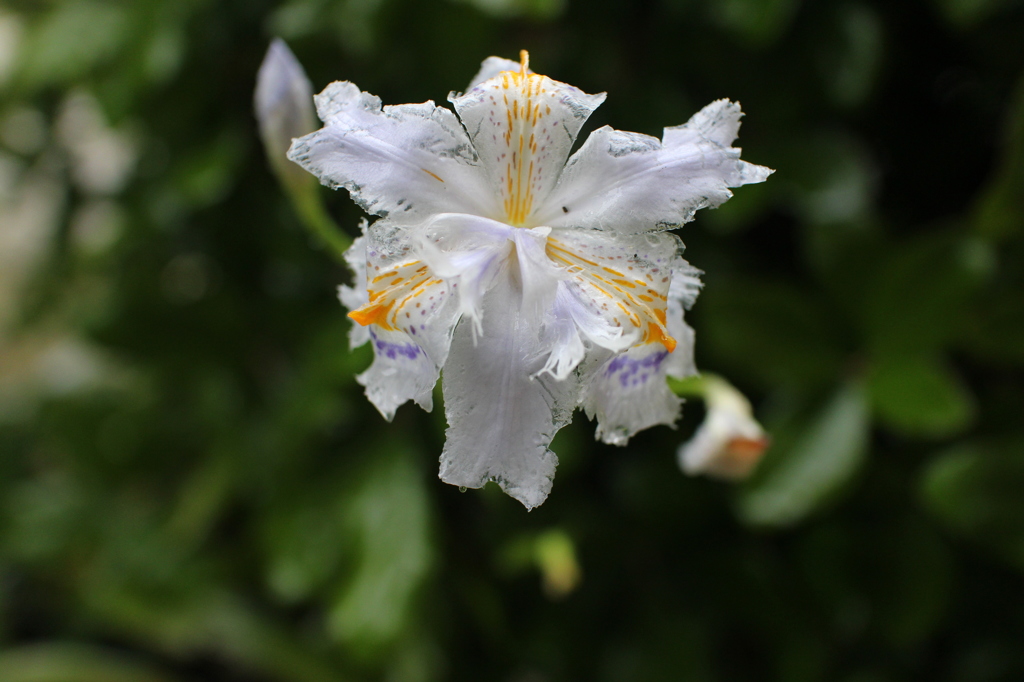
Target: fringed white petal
627,182
683,292
401,371
490,68
501,415
406,162
355,296
523,126
628,392
407,312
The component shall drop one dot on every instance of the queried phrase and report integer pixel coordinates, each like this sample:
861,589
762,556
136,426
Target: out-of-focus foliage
192,486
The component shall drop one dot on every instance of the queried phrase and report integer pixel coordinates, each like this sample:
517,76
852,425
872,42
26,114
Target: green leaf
918,298
390,515
796,480
1001,206
850,53
920,395
756,22
536,9
974,488
67,662
768,332
70,40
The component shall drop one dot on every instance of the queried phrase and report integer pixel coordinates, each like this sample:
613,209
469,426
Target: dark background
192,486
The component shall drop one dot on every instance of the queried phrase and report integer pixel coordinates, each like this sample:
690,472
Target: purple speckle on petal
632,371
393,351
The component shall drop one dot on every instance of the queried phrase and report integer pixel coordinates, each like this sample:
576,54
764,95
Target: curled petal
467,252
523,126
631,183
562,337
472,252
407,162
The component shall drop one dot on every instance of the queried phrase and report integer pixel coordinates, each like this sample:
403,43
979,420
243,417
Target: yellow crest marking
646,311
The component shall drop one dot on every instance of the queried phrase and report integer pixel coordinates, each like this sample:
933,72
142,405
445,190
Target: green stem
311,211
690,387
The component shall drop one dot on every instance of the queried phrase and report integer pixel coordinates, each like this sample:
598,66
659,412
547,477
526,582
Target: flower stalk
284,111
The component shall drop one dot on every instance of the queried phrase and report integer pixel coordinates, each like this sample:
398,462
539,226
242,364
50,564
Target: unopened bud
730,442
284,110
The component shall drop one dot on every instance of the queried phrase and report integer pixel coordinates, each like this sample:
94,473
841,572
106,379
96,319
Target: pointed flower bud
284,110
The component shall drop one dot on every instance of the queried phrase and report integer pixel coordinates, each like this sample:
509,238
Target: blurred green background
193,488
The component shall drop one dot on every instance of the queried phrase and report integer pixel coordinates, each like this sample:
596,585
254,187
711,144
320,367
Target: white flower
537,284
730,442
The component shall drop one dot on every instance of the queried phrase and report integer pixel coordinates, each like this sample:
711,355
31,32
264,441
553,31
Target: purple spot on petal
632,371
393,351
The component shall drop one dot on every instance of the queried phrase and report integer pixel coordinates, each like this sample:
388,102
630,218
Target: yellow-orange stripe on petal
396,293
524,110
632,294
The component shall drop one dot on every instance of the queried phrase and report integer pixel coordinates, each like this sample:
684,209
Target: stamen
524,62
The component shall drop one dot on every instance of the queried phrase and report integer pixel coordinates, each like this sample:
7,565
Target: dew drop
462,488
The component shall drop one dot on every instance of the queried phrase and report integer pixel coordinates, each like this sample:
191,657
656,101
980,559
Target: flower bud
730,442
284,110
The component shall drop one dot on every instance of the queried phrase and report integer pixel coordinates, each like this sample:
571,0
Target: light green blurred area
192,486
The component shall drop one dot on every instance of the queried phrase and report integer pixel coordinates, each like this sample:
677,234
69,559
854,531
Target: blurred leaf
794,481
305,546
975,489
354,20
206,175
850,53
756,22
389,514
965,13
196,617
917,300
833,176
770,332
536,9
70,40
555,554
999,213
67,662
920,395
296,18
47,517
